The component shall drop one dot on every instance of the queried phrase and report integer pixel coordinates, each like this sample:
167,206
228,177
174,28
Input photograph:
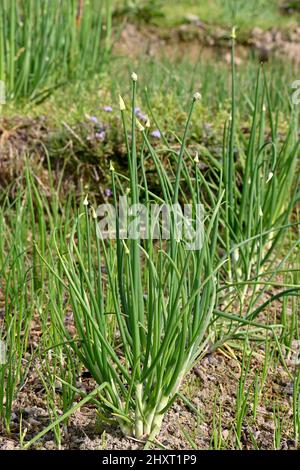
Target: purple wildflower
100,136
156,134
94,119
141,116
108,192
107,109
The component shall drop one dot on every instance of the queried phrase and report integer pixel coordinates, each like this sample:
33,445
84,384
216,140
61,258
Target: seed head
270,176
121,103
233,33
134,77
139,126
86,201
111,167
197,96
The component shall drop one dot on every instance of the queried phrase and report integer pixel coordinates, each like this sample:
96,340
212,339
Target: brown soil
213,382
24,138
196,38
18,137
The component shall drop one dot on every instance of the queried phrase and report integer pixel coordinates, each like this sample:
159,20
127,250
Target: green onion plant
16,286
44,44
162,293
261,181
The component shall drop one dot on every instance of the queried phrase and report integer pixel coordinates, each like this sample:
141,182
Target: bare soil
196,38
211,385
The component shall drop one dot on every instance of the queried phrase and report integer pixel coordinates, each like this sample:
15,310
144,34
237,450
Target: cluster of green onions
45,44
260,179
142,308
142,324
